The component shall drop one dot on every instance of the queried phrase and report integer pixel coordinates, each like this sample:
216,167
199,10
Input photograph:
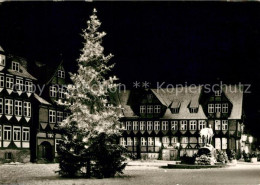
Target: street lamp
250,139
244,137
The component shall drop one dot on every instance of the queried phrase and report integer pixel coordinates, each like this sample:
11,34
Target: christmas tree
93,118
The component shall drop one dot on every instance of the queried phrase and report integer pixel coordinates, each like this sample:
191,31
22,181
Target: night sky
175,42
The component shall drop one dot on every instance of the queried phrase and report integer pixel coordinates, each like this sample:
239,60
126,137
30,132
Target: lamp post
250,139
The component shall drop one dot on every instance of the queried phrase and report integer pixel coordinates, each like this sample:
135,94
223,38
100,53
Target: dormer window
193,110
218,93
2,60
61,74
53,91
15,66
175,110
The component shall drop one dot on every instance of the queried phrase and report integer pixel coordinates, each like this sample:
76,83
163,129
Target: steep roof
123,98
22,73
41,100
235,95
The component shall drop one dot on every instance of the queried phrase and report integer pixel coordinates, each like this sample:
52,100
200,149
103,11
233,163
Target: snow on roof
41,100
23,73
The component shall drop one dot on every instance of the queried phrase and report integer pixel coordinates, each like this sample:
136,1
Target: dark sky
175,42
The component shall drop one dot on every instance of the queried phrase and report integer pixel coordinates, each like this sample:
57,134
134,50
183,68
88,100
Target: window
16,133
165,125
193,125
149,125
156,125
183,125
143,141
184,140
59,116
224,143
1,105
135,141
202,124
218,93
57,143
165,140
150,97
28,86
2,60
15,66
61,74
27,109
224,124
193,110
18,108
200,140
7,133
174,140
174,125
2,81
66,114
217,107
26,134
210,108
225,108
61,93
175,110
52,116
135,125
149,109
142,109
142,125
122,141
217,125
53,91
129,141
217,143
157,109
128,125
150,141
19,84
8,107
9,82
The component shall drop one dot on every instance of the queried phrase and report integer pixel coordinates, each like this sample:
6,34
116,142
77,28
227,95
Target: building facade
170,119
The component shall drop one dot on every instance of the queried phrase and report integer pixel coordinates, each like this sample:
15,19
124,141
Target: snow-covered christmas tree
87,98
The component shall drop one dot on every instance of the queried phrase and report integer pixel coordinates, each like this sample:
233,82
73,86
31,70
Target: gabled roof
235,95
1,49
22,73
123,98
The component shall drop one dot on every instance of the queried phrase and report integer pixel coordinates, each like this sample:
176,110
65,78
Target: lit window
142,125
224,143
174,140
61,93
129,141
16,133
174,125
26,134
7,133
149,125
15,66
135,141
225,108
184,140
210,108
156,125
157,109
2,81
150,141
8,106
202,124
57,143
135,125
18,108
193,125
1,105
27,109
217,125
2,60
217,143
217,107
183,125
28,86
143,141
218,93
142,109
128,125
149,109
61,74
122,141
224,124
52,116
200,140
19,84
59,116
164,125
9,82
165,140
53,91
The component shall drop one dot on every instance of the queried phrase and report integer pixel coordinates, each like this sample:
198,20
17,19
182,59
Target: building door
45,151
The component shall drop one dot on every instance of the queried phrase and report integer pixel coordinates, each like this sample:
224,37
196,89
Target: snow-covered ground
139,174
